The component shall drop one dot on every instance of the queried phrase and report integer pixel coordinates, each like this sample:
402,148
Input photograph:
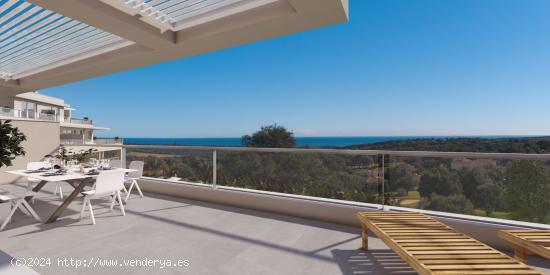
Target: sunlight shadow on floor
6,267
378,261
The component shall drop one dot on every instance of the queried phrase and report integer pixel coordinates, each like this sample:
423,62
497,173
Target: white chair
17,201
58,190
116,163
133,177
108,184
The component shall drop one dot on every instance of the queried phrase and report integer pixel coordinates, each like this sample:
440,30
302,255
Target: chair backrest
138,166
116,163
37,165
108,182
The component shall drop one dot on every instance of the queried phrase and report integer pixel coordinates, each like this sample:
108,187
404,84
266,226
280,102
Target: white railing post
383,176
214,169
123,156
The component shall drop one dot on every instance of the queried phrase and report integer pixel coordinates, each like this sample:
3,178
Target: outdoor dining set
94,179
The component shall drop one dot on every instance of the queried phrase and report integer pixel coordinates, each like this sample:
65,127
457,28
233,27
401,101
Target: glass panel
7,112
26,109
499,188
185,165
343,177
47,112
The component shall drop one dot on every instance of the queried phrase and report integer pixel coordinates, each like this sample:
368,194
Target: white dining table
76,179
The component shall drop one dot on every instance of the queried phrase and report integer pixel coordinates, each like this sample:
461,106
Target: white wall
42,139
309,208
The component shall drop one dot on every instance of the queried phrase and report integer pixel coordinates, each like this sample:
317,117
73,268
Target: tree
272,136
456,203
527,189
402,177
488,196
440,181
472,177
10,143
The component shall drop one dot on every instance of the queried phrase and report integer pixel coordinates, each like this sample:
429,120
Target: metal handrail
81,121
518,156
108,141
27,114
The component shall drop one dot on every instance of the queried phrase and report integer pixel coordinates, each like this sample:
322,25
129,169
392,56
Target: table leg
37,188
68,201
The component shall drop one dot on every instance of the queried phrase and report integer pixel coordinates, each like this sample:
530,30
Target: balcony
97,141
108,141
84,121
27,114
258,211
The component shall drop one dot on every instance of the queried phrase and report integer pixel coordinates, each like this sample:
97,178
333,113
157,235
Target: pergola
44,43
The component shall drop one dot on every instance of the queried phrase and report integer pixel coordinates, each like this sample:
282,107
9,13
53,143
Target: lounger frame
526,242
431,247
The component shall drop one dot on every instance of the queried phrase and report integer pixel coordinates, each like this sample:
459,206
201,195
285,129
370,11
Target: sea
300,141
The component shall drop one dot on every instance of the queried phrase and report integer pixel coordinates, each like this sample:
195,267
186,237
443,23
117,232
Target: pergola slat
32,37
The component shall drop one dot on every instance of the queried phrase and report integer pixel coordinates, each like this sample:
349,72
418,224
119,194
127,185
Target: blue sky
398,67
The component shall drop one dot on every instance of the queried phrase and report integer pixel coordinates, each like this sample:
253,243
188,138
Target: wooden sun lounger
525,242
431,247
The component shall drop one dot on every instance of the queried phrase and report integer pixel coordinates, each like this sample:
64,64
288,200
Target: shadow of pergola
376,261
9,267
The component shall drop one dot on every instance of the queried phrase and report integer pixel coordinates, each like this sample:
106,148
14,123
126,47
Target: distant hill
531,145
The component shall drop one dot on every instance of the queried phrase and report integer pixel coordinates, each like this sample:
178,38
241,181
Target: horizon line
358,136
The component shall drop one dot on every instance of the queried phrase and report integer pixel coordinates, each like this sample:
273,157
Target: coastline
316,142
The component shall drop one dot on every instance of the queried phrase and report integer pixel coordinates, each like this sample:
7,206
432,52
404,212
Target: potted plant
62,155
10,143
83,156
6,109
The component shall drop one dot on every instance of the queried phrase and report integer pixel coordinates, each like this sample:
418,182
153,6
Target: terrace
215,238
235,210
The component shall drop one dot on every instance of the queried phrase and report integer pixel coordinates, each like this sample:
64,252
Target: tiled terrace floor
215,239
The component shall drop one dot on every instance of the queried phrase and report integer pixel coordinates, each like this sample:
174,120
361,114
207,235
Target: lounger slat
390,231
528,231
467,261
445,245
441,248
434,240
485,272
458,252
465,257
431,247
477,266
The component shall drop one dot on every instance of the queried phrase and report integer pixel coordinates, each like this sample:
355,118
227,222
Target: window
26,109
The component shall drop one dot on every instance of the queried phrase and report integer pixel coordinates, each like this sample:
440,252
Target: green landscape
509,189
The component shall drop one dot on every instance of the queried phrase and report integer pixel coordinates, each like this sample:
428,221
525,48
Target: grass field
412,199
